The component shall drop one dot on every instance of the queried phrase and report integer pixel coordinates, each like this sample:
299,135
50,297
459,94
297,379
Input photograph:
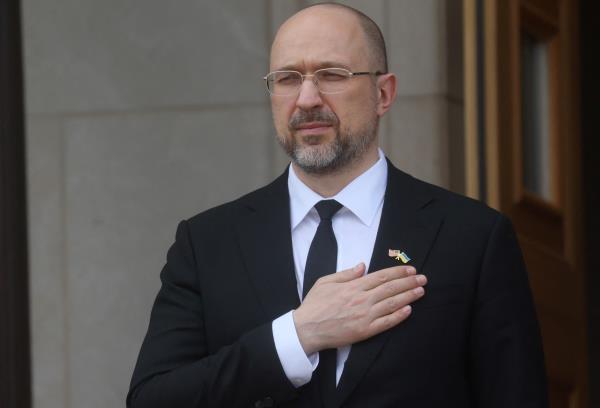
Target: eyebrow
323,64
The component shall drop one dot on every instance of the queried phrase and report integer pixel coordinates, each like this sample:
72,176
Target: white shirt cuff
298,367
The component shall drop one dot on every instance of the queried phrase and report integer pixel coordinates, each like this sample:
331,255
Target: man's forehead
319,33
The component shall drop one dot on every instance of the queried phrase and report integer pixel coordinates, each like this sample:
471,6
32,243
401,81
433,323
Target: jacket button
264,403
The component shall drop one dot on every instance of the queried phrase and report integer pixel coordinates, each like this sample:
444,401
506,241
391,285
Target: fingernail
406,309
421,279
411,271
358,267
418,291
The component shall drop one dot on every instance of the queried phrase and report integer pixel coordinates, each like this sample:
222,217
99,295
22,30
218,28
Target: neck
328,185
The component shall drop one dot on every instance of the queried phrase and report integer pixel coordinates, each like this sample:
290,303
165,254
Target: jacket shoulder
229,213
455,206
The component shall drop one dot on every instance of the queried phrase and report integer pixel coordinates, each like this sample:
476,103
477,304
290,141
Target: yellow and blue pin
399,255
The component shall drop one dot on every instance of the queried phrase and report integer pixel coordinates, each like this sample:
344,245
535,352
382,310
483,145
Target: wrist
307,340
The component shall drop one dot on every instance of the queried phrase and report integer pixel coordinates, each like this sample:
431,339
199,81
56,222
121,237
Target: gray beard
330,158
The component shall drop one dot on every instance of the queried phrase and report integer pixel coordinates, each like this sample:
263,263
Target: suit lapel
405,225
266,246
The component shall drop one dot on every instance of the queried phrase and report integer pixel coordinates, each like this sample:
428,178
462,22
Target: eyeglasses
327,80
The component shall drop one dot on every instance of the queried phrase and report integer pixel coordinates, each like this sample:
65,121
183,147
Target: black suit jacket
471,341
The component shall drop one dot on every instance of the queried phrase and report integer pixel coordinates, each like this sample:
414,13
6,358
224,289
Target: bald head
329,130
374,43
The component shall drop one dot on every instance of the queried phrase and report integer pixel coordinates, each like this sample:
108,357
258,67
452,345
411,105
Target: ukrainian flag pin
399,255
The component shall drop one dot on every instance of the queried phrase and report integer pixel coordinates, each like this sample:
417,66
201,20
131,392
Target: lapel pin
399,255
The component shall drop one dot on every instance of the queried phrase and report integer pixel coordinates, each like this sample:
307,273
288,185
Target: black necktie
321,261
322,255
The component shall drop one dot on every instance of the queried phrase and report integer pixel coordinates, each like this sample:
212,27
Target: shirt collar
363,196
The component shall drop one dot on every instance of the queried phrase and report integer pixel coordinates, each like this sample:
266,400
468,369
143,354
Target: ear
386,92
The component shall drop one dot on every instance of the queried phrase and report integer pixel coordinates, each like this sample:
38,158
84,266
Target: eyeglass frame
351,74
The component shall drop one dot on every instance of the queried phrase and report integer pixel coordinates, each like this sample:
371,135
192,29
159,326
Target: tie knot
327,208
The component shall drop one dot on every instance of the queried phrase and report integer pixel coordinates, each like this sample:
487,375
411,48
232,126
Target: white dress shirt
355,227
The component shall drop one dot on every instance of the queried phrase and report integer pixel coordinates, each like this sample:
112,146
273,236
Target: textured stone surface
417,46
418,141
47,290
88,55
129,180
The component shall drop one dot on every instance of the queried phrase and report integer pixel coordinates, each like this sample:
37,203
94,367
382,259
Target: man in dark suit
252,312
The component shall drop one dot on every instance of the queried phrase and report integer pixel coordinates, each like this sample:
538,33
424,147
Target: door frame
494,174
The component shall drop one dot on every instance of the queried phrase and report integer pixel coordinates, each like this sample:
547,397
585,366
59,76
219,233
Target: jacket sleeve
174,367
506,357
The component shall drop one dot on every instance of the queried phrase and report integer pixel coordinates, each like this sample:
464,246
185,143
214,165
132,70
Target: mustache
312,116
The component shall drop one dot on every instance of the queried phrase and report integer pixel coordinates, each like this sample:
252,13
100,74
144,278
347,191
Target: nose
309,96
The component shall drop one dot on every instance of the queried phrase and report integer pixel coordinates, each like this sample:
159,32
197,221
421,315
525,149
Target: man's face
323,133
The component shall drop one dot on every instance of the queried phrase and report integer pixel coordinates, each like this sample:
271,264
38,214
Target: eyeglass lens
328,80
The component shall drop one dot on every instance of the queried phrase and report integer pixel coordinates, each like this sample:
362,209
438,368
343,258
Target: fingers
392,304
388,321
377,278
346,307
345,275
395,287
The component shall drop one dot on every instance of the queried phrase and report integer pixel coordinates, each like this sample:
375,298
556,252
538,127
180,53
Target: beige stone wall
132,127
